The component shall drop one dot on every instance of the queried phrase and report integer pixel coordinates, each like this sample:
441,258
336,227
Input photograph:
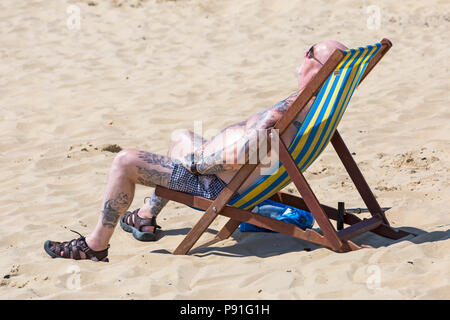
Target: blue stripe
337,100
330,116
315,127
309,116
344,107
318,99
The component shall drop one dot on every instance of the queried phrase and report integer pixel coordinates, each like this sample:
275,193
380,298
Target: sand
135,71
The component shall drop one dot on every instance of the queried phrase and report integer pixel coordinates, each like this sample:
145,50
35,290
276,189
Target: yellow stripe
322,124
347,55
298,149
313,122
341,103
283,184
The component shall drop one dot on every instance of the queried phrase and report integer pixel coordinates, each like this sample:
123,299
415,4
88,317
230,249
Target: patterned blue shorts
207,186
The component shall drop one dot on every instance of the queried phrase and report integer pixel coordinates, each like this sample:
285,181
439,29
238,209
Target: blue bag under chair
300,218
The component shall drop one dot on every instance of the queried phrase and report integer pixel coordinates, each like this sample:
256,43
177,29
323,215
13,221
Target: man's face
309,67
314,58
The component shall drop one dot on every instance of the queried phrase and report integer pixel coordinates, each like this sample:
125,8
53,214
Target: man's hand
188,160
231,158
214,164
210,164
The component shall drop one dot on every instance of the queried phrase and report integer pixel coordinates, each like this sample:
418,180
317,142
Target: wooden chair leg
364,190
195,233
228,229
310,199
357,177
224,233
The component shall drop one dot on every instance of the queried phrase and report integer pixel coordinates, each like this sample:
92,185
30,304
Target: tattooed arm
233,156
215,163
220,161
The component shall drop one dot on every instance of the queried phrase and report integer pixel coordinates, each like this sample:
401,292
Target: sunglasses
310,54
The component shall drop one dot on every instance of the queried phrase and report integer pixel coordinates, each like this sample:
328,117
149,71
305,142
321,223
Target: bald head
323,50
314,58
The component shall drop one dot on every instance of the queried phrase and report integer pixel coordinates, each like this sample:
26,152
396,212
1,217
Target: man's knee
181,143
180,136
125,159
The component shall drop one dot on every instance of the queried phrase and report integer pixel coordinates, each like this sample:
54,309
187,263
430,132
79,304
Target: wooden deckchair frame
331,238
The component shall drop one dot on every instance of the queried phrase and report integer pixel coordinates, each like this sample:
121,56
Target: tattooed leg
130,167
153,207
113,208
156,204
183,142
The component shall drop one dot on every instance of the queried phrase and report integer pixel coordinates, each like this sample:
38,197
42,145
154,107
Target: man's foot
143,229
76,249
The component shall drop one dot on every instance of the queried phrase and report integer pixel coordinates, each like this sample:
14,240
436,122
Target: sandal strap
138,221
76,252
66,253
89,253
143,222
127,217
73,248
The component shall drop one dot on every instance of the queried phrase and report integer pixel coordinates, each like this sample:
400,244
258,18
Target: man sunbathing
201,169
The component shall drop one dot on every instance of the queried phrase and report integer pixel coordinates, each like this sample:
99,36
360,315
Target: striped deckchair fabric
318,126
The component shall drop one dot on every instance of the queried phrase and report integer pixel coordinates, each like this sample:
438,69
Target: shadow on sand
263,244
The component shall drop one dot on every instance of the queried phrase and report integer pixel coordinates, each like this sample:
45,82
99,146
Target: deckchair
332,88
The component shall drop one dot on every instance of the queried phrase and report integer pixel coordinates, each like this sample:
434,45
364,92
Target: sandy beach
129,73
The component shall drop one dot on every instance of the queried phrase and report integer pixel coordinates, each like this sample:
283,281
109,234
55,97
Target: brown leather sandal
131,222
75,249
